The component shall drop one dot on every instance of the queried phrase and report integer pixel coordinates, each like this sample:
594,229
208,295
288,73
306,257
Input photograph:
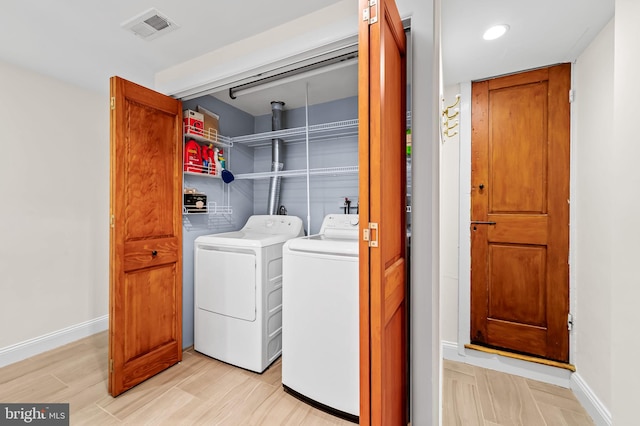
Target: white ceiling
81,41
543,32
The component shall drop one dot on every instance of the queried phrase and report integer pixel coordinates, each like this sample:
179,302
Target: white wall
424,313
593,186
625,207
54,235
449,222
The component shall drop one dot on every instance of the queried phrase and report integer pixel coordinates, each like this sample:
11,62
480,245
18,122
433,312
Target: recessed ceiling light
495,32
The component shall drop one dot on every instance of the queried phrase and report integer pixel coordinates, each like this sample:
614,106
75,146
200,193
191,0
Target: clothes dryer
320,352
238,291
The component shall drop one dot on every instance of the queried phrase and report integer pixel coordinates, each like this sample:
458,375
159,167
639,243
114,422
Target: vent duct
277,156
150,25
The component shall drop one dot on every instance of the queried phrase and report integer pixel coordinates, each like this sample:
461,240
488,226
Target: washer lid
323,244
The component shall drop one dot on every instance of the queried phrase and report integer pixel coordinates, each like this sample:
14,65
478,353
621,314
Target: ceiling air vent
150,25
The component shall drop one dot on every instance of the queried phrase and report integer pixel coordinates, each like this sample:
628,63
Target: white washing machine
320,329
238,291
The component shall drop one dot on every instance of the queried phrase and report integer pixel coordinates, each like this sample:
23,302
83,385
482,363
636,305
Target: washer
320,329
238,291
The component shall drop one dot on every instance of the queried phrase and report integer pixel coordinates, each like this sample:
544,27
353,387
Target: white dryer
320,329
238,291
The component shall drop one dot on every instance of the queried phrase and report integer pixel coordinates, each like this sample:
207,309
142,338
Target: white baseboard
531,370
46,342
596,409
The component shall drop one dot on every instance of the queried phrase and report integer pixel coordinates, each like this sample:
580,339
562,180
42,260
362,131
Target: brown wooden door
145,300
520,196
382,165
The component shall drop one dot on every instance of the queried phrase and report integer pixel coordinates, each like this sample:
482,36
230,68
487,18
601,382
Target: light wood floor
477,396
203,391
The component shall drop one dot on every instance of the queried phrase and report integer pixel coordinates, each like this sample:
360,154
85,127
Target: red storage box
193,122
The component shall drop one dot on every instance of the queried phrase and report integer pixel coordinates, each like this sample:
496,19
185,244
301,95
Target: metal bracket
370,236
371,13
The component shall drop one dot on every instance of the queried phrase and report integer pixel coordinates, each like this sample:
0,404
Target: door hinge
111,365
369,235
570,322
113,102
370,13
113,221
572,95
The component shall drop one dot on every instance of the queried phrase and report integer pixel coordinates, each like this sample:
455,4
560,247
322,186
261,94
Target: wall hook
448,115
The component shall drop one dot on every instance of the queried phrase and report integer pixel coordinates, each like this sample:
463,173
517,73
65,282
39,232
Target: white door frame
523,368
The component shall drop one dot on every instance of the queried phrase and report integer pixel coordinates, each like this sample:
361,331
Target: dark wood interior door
145,299
382,197
520,212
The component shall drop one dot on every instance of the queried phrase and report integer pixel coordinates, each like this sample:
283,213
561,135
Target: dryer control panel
274,225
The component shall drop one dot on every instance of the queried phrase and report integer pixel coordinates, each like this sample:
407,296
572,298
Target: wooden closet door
145,300
382,166
520,212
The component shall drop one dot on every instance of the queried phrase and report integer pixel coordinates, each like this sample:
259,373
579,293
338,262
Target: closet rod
316,68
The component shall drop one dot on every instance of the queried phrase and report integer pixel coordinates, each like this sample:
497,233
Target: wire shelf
301,172
197,170
337,128
213,217
316,131
212,208
207,136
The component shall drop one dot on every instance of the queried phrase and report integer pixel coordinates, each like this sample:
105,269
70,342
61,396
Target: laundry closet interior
320,113
288,143
245,139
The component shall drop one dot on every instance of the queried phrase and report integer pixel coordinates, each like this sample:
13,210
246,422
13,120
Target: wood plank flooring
477,396
203,391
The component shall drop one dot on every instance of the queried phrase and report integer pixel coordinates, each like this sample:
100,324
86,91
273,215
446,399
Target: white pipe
306,110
